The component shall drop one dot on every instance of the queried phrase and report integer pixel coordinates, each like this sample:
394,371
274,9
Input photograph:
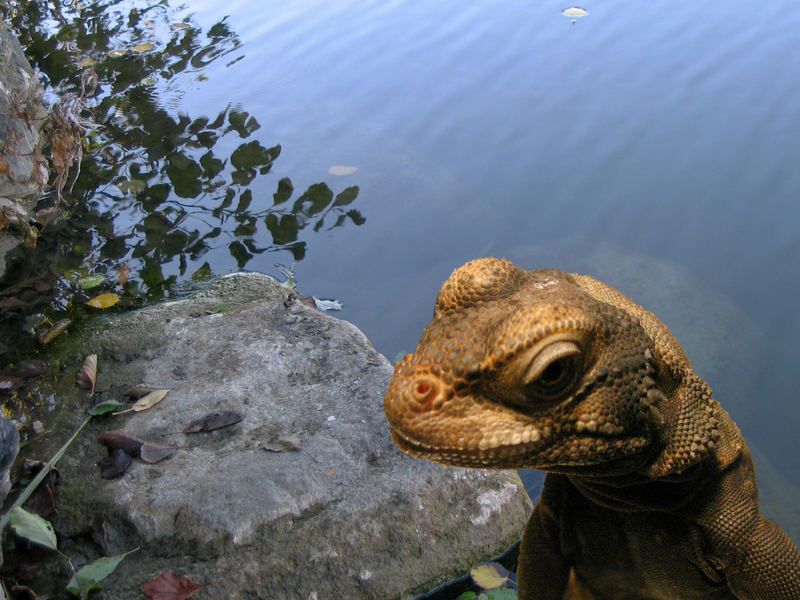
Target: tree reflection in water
157,188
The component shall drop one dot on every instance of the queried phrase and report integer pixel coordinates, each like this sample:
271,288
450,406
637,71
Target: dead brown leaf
123,272
170,586
99,533
48,336
115,464
30,368
119,439
139,390
87,376
153,453
212,421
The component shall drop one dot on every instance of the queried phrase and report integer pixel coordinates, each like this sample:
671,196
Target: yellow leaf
145,47
104,300
118,52
86,62
489,576
149,400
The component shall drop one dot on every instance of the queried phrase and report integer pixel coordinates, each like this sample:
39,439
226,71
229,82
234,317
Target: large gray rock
23,170
347,516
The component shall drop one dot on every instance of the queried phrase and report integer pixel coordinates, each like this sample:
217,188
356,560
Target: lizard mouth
483,454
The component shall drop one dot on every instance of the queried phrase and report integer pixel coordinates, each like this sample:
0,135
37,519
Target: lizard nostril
425,391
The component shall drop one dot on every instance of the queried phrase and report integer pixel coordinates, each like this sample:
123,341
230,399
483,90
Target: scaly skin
650,492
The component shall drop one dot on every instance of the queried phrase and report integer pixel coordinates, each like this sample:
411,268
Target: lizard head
541,369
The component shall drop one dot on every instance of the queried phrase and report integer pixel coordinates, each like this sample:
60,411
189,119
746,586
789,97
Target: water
657,132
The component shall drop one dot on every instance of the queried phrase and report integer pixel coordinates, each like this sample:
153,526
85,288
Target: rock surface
23,171
346,516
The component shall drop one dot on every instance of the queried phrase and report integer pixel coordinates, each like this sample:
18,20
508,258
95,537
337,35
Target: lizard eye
553,372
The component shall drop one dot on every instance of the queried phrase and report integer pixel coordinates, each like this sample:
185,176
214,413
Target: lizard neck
636,492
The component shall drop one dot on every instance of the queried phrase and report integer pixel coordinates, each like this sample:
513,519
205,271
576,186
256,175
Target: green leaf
501,594
33,528
88,578
346,196
86,283
466,596
102,408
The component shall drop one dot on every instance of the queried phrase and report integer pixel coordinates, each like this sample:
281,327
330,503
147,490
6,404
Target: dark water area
660,135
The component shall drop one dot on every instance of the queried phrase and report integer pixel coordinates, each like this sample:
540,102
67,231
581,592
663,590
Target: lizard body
650,490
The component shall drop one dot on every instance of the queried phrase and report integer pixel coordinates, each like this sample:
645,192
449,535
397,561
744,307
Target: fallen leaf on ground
97,529
88,578
8,383
104,407
33,528
87,376
323,304
153,453
170,586
139,390
49,335
115,464
30,368
104,300
287,444
149,400
119,439
212,421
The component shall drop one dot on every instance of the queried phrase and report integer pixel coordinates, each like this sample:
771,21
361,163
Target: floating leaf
327,304
170,586
85,62
118,52
180,26
575,11
489,575
104,407
87,283
123,273
87,376
33,528
88,578
104,300
342,170
212,421
139,48
48,336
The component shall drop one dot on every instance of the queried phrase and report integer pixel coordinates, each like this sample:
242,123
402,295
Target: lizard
649,489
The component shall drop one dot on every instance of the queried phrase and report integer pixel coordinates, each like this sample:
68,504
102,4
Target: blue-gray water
666,130
653,144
